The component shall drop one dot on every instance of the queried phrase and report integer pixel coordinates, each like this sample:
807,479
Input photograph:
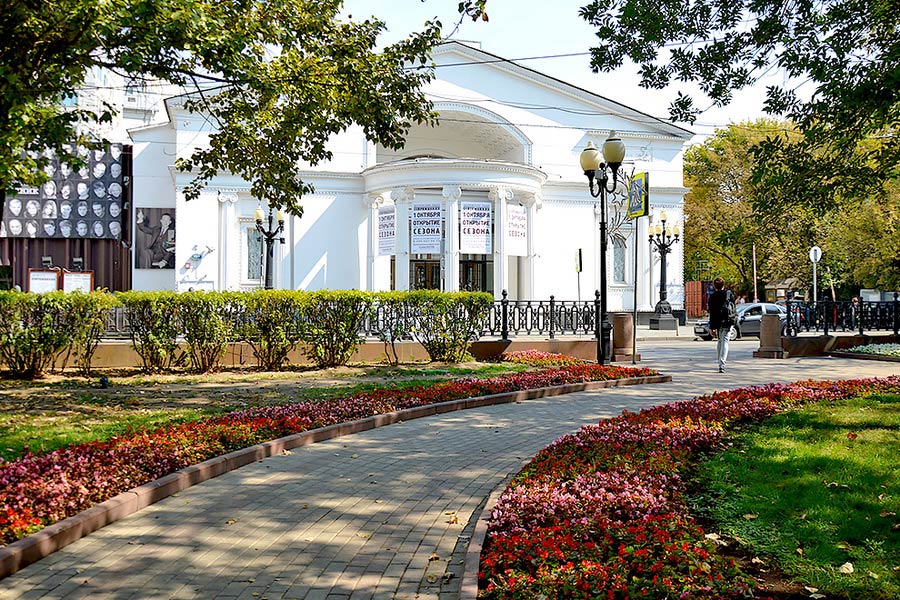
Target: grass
49,414
812,490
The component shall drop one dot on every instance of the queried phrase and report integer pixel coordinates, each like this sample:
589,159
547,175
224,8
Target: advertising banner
516,230
475,227
386,231
639,196
426,228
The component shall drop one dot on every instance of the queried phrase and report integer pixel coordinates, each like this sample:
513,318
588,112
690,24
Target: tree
847,50
287,76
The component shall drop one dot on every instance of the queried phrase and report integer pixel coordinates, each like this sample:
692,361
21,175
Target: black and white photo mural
154,238
83,203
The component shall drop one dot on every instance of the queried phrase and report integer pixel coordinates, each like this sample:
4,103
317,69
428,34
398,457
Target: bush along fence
193,329
602,513
38,490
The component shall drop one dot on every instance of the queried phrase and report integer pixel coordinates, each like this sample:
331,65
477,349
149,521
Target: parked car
749,317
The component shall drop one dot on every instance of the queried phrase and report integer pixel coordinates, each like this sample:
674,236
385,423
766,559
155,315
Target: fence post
552,315
896,314
504,317
826,312
860,311
597,327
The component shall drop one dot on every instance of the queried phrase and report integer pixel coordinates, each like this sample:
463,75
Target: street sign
815,253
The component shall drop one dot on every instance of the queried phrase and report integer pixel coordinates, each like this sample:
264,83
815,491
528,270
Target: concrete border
468,588
28,550
860,356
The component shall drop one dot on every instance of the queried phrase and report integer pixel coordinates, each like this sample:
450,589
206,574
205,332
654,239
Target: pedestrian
721,319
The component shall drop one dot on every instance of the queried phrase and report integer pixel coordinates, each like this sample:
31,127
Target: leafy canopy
276,79
846,51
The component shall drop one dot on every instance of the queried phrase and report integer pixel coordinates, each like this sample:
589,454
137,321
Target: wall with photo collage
83,204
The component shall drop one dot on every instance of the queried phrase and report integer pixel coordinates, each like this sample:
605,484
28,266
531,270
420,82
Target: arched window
618,260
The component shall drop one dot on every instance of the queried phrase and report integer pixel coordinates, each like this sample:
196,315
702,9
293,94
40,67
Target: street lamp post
269,233
662,239
597,166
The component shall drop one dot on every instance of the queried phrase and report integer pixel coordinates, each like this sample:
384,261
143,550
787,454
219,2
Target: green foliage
154,321
818,479
87,314
445,322
34,329
272,324
333,323
207,320
276,79
390,320
845,51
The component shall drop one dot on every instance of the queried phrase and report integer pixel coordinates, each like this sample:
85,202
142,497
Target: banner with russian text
426,228
386,231
516,230
475,227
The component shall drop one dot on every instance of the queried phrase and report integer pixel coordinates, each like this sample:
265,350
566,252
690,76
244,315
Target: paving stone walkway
378,515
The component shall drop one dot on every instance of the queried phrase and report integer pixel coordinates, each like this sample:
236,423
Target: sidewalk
377,515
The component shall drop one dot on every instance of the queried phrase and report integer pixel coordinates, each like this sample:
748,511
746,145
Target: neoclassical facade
492,198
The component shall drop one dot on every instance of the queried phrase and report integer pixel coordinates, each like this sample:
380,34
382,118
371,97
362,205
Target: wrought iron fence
843,315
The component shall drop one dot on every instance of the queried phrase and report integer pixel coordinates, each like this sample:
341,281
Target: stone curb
25,551
860,356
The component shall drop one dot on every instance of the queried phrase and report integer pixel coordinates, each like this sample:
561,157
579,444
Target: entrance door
476,276
425,274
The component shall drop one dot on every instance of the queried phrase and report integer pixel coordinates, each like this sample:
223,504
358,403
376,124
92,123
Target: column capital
406,194
226,196
374,200
451,192
500,193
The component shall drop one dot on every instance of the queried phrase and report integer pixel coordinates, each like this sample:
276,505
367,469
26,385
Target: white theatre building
492,198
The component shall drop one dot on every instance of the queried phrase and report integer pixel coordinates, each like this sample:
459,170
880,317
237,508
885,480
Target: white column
227,239
373,202
500,196
533,244
402,199
452,194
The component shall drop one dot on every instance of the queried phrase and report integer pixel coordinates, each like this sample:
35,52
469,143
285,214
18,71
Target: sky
524,29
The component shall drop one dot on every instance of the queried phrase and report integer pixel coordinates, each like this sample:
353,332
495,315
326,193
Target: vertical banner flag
386,233
516,230
427,228
639,196
475,227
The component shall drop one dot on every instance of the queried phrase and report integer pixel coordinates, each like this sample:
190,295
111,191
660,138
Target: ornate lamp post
597,167
269,233
662,239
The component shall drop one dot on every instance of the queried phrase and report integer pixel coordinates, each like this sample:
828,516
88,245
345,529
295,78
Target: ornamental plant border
690,428
30,549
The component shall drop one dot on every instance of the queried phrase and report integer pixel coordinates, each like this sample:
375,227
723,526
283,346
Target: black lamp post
662,239
269,233
595,166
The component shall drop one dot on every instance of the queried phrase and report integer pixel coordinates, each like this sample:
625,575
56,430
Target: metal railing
843,315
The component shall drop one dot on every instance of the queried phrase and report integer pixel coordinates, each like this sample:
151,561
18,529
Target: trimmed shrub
391,321
154,321
272,322
333,323
207,320
87,314
34,329
445,322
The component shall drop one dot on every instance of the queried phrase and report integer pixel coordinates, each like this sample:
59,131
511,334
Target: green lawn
813,490
45,415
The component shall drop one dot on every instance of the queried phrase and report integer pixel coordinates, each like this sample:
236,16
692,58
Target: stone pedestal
623,334
664,322
769,338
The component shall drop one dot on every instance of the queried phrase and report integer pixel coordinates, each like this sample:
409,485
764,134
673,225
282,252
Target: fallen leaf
432,578
846,568
433,557
757,561
873,575
453,520
887,513
843,546
231,521
811,590
895,527
750,516
852,436
354,456
365,536
817,596
800,551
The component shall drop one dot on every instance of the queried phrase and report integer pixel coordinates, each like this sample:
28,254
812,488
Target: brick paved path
378,515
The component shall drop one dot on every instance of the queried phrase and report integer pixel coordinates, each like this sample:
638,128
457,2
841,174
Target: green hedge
170,329
38,329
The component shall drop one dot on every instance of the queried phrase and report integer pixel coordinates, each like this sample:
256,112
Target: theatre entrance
425,274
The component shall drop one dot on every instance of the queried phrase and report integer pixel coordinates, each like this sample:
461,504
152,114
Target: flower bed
601,513
878,349
537,358
38,490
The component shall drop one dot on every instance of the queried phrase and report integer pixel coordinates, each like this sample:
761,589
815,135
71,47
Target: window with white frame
251,253
619,259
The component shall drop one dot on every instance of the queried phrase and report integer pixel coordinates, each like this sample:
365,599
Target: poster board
426,228
386,231
639,196
78,281
41,281
475,227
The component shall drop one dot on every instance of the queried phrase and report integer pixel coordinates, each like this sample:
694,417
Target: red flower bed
38,490
600,513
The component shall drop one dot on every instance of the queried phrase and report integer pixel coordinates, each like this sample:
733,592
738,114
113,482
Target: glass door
425,274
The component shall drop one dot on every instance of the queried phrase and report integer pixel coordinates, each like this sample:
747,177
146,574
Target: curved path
376,515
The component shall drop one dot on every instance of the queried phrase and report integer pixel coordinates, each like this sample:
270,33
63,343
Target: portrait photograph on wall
83,203
154,238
